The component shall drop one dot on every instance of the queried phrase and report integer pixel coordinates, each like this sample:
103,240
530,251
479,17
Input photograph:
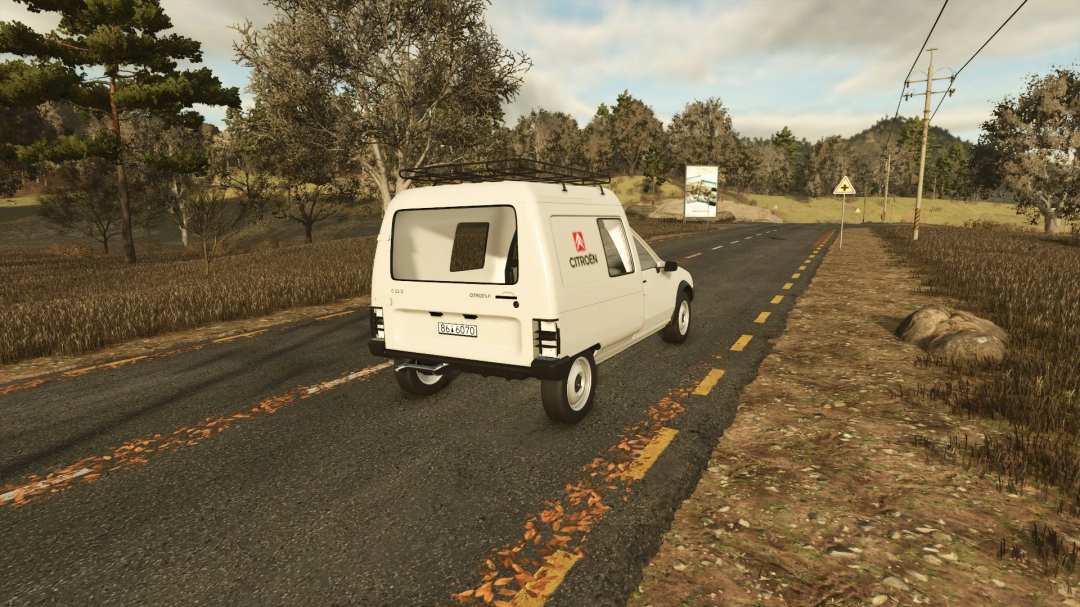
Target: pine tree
111,59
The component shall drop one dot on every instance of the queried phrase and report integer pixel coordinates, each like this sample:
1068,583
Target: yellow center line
788,286
709,382
345,313
811,257
241,336
796,275
650,453
778,299
546,580
762,317
803,267
739,345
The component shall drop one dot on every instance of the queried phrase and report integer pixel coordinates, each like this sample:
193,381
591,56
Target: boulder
920,327
725,216
931,322
967,346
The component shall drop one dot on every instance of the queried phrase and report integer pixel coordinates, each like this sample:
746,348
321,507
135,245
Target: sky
820,67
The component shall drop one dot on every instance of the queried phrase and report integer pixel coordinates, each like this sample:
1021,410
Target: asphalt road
308,493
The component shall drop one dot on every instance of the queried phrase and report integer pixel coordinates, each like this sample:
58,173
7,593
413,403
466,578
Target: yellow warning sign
844,187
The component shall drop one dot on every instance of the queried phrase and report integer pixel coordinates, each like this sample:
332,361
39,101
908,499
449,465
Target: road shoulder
823,489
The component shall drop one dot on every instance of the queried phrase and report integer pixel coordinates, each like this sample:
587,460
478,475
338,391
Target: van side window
470,247
511,272
616,247
647,261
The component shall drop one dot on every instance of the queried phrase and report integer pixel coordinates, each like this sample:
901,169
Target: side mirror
671,266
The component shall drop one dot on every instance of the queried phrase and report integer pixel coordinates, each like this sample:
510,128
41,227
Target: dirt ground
822,492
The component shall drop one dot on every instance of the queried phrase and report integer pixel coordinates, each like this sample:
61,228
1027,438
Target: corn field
72,300
1028,284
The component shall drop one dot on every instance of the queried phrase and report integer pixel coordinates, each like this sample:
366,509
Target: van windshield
472,245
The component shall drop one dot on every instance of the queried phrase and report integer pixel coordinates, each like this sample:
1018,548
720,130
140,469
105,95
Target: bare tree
391,83
1036,142
215,218
90,205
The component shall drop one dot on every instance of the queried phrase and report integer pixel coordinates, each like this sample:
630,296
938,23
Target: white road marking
45,484
719,247
693,256
734,242
326,385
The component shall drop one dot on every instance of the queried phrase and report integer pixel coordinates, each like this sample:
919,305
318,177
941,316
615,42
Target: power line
977,52
911,69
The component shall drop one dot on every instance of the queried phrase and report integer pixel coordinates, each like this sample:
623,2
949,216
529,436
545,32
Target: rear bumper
541,368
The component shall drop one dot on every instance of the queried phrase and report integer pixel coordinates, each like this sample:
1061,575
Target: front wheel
679,327
568,400
421,383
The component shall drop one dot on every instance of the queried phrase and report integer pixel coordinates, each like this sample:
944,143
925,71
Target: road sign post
843,189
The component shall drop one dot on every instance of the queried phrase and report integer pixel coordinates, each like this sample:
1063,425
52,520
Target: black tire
679,328
568,400
420,383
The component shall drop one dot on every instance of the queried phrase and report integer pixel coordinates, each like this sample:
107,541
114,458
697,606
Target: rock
997,582
640,210
841,552
950,557
920,327
896,584
678,566
879,599
919,576
933,560
967,346
942,537
931,322
744,523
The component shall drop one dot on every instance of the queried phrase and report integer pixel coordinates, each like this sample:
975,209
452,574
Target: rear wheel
568,400
422,383
679,327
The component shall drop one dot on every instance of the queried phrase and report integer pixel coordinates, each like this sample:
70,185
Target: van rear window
471,245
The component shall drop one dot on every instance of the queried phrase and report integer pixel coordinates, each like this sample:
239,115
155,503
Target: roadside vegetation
64,300
1027,284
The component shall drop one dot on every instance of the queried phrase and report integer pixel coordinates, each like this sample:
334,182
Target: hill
871,139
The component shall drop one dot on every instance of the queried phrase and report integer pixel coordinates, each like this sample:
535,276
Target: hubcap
428,379
684,317
579,384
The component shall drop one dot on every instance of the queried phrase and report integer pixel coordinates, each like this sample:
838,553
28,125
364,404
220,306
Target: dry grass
70,300
1028,284
66,300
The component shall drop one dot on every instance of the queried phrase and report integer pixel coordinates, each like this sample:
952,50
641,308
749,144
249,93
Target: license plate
450,328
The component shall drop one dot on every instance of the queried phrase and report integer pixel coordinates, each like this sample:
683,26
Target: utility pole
926,127
885,202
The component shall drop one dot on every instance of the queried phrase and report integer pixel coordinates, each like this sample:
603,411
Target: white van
518,279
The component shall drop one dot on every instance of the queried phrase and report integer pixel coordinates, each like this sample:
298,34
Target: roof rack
510,169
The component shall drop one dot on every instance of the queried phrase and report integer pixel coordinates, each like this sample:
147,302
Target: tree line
347,94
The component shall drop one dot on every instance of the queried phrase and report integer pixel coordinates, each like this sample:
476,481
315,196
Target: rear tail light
546,341
377,328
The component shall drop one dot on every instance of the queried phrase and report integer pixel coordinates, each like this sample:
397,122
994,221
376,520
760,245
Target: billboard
700,194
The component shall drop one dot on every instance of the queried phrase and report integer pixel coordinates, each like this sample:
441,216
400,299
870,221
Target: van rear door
454,275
